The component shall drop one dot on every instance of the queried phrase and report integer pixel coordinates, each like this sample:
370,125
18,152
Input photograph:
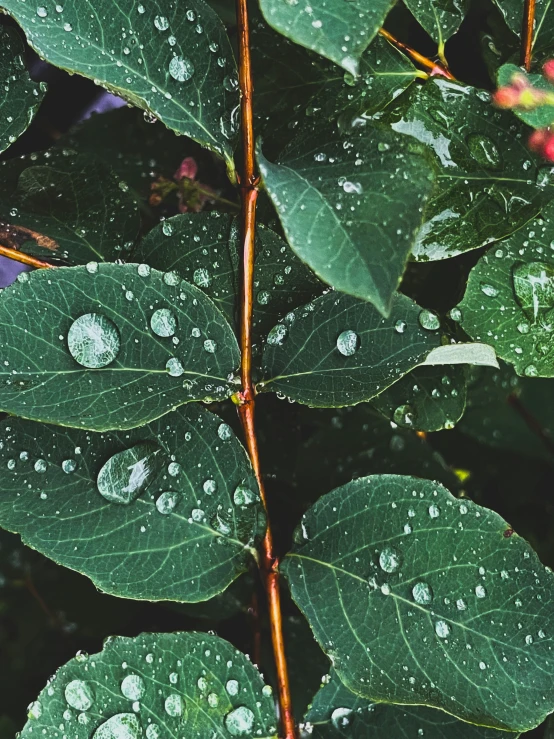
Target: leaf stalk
19,256
528,27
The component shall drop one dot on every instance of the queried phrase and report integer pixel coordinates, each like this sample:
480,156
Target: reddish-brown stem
435,69
19,256
527,30
249,192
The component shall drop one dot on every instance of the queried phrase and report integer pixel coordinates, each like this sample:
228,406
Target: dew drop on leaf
174,367
93,340
341,717
434,511
132,687
480,591
422,593
428,320
348,342
161,23
224,432
389,560
240,721
181,69
69,466
127,474
153,731
442,629
534,286
174,705
404,415
232,687
166,502
484,151
120,726
201,277
163,322
79,695
277,335
243,496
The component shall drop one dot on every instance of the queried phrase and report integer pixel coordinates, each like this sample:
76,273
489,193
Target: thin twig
435,69
268,561
527,30
19,256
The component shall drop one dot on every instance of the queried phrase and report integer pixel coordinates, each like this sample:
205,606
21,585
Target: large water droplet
167,502
79,695
153,731
240,721
348,343
161,23
442,629
232,687
120,726
133,687
422,593
163,322
389,559
127,474
429,320
174,367
174,705
484,151
181,69
534,286
93,340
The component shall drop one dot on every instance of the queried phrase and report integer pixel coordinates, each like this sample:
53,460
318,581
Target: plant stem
435,69
249,191
18,256
527,34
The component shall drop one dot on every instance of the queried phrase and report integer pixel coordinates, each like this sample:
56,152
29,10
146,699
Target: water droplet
161,23
461,604
240,721
201,277
534,286
352,187
167,502
143,270
174,367
348,343
153,731
400,326
93,341
429,320
243,496
434,511
79,695
174,705
181,69
34,710
41,11
171,278
341,717
120,726
404,415
69,466
389,560
232,687
484,151
133,687
489,290
455,314
213,700
174,469
210,346
40,465
277,335
422,593
480,591
92,267
127,474
163,322
224,432
442,629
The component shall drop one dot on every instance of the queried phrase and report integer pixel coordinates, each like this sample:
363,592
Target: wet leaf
439,18
21,97
336,712
419,598
426,399
64,206
156,685
512,12
130,510
175,64
338,31
110,346
488,183
350,205
340,351
509,299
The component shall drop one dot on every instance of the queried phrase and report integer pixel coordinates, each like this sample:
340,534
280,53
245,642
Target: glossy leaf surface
147,514
512,11
156,685
420,598
440,18
110,346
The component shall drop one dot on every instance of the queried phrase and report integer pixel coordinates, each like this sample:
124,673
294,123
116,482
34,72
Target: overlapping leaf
440,18
488,183
336,712
175,63
513,13
509,299
110,346
168,511
21,97
350,204
156,685
419,598
338,31
66,206
340,351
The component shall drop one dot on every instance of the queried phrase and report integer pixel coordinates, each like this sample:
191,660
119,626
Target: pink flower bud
548,149
548,70
538,139
188,168
506,97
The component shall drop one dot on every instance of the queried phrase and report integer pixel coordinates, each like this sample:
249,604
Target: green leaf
488,183
419,598
440,18
21,97
336,712
204,248
426,399
177,65
61,205
110,346
350,205
338,31
154,685
540,117
513,13
510,412
181,536
340,351
509,299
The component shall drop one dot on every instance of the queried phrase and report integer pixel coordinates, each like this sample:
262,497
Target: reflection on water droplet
174,705
232,687
69,466
133,687
174,367
348,342
277,335
93,340
224,432
484,151
442,629
120,726
243,496
163,322
434,511
181,69
127,474
201,277
161,23
404,415
422,593
240,721
534,286
79,695
389,559
341,717
167,502
428,320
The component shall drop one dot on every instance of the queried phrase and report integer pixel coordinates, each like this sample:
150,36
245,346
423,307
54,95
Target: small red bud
538,139
519,81
548,149
506,97
548,70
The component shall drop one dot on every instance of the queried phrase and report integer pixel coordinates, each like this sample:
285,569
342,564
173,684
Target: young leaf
338,31
509,299
156,685
175,64
336,712
21,97
164,512
339,351
439,18
61,205
204,248
420,598
110,346
350,205
488,183
426,399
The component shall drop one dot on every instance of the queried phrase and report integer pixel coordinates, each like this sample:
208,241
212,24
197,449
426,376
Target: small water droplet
174,705
243,496
166,502
239,721
348,342
277,335
210,346
422,593
484,151
224,432
400,326
93,340
41,11
534,286
434,511
133,687
181,69
161,23
341,717
174,367
79,695
163,322
442,629
480,591
69,466
232,688
389,560
404,415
